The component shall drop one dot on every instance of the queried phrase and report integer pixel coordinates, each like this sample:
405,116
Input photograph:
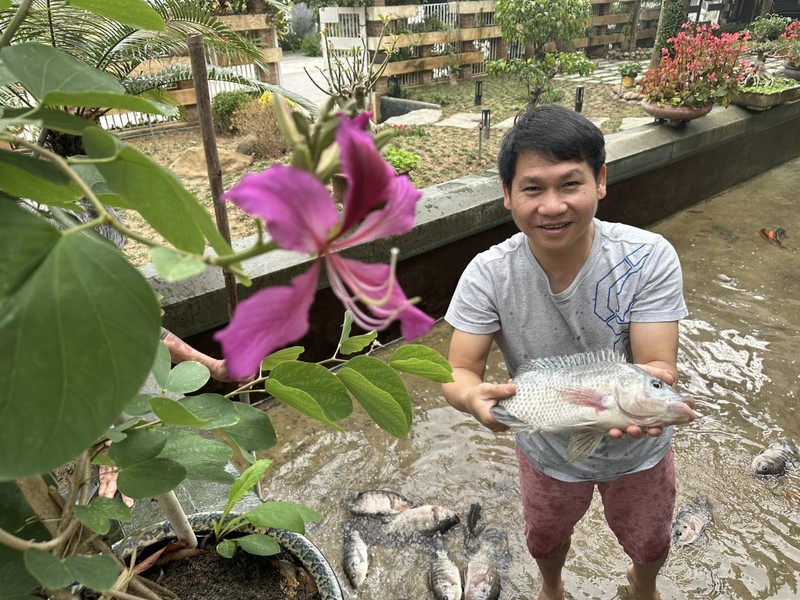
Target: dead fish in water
775,459
445,578
426,519
377,503
482,580
355,556
774,237
691,522
588,394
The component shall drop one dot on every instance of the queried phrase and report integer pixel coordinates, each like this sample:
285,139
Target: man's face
553,204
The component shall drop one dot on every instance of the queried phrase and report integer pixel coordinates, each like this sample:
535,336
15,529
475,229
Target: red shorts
638,509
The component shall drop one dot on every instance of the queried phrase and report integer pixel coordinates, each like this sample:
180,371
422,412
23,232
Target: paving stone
461,120
423,116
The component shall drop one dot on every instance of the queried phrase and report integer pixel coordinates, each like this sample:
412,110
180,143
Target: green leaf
96,182
347,324
226,548
162,365
96,572
172,266
48,570
254,430
357,343
246,481
186,377
299,400
78,333
100,512
282,515
37,179
426,362
259,544
140,446
318,383
202,457
52,118
150,478
54,77
157,194
172,412
5,4
380,391
291,353
136,13
139,406
219,409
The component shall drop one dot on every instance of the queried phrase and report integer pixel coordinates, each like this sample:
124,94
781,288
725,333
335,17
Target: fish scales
776,458
691,521
355,557
587,394
444,578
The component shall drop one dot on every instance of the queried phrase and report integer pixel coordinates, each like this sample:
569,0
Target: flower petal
393,219
369,176
266,321
297,207
373,296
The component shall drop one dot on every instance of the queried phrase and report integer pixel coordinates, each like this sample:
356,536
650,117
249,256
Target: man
569,283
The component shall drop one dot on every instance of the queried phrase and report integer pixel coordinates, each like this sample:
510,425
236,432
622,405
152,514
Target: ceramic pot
764,101
628,80
675,116
298,545
791,72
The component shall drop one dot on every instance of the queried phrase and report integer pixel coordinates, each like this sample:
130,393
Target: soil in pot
210,575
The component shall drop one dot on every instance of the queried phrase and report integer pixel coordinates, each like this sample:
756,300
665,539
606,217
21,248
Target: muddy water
739,356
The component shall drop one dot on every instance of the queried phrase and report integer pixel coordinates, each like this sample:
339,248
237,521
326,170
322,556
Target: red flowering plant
703,67
789,45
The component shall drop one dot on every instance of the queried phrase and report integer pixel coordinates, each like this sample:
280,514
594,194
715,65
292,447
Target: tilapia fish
691,521
588,394
484,548
377,503
775,459
355,557
427,519
445,578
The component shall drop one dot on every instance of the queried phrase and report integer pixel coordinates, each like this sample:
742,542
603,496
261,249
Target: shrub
257,118
630,69
303,22
311,46
402,160
223,105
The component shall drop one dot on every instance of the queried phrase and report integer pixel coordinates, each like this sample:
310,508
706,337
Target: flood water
739,354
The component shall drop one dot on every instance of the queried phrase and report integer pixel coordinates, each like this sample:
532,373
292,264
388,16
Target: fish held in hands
775,459
587,394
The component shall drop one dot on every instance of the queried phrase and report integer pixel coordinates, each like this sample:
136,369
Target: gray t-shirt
631,275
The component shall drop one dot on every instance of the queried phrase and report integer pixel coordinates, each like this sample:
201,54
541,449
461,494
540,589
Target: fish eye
656,383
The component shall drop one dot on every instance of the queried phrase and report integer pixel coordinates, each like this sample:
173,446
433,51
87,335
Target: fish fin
586,397
572,360
583,443
506,418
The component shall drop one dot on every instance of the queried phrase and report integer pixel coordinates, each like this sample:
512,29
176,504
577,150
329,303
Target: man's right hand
483,397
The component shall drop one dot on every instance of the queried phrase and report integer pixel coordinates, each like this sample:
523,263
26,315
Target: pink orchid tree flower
302,216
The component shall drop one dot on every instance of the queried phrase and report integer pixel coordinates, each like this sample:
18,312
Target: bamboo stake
200,77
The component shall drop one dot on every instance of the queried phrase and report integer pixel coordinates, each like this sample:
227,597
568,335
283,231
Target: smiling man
569,283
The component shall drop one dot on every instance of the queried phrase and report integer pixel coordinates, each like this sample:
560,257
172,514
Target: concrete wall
653,171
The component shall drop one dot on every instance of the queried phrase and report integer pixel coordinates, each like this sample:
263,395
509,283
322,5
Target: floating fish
588,394
691,521
482,580
774,237
427,519
445,578
355,556
377,503
775,459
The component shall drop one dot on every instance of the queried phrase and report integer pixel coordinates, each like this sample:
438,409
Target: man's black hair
555,133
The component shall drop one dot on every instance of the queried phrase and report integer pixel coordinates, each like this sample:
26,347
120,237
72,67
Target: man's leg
551,508
639,509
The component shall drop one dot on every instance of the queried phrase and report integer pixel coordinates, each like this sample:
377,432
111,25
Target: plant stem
22,12
177,517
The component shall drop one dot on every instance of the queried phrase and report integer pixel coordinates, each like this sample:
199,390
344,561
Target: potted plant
701,69
403,161
629,71
789,49
80,326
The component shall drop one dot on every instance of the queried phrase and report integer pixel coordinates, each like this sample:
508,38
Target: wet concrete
738,357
